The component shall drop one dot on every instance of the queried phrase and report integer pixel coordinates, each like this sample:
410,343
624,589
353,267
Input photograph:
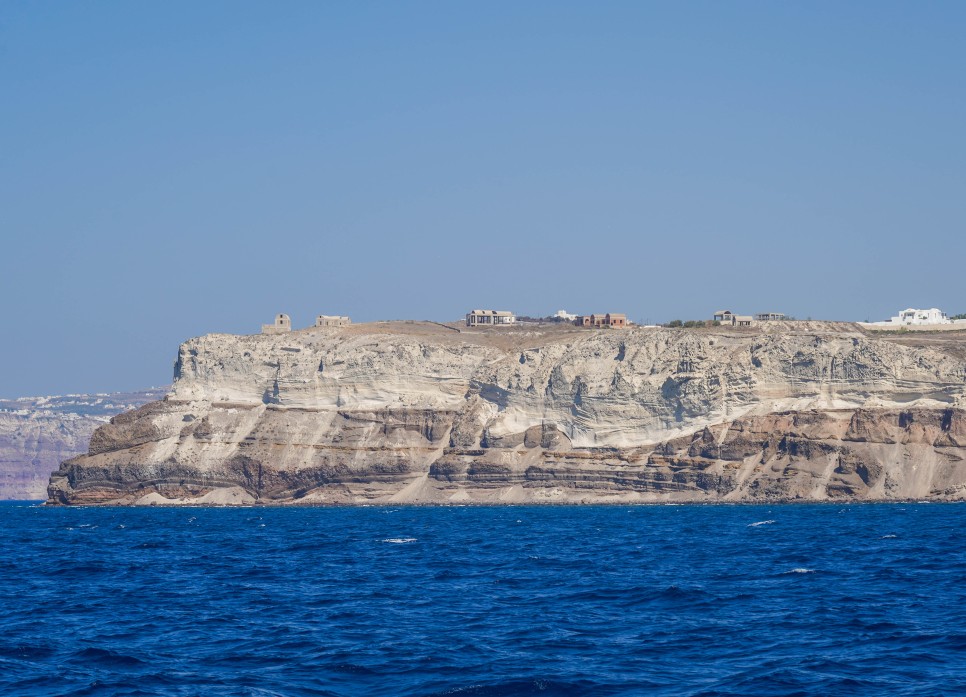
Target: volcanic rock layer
38,433
424,413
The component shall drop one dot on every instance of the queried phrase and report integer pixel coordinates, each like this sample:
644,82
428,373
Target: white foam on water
887,537
801,571
760,522
400,540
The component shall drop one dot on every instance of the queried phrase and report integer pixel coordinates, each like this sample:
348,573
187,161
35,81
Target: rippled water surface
660,600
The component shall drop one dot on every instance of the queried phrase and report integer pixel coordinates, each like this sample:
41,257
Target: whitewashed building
913,317
489,318
564,315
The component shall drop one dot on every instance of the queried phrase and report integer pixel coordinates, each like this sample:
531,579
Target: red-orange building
611,320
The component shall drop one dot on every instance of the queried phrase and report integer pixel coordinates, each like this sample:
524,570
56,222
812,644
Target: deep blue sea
645,600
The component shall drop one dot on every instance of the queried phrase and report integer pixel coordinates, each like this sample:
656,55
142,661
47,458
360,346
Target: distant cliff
38,433
418,413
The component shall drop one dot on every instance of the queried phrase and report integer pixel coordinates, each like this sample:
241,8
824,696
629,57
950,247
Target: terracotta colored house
611,320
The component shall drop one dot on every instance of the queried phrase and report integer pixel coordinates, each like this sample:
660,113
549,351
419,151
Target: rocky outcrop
38,433
419,413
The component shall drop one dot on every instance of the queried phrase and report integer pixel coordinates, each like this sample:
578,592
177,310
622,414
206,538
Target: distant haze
173,169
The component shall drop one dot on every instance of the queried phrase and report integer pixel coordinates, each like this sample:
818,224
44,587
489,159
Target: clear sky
170,169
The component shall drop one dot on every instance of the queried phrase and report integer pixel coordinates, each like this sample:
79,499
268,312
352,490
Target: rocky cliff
38,433
423,413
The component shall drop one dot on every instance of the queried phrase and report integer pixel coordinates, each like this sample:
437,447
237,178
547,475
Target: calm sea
649,600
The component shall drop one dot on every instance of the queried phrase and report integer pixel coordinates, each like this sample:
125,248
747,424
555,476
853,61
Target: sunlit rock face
422,413
38,433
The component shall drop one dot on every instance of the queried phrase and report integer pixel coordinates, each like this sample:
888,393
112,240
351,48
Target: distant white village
911,317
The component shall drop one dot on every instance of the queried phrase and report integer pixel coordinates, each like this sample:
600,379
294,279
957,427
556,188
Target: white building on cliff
281,325
489,318
332,321
913,317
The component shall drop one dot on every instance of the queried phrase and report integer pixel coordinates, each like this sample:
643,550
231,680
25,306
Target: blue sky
172,169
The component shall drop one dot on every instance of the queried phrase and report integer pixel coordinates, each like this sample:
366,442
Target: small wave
105,657
760,522
400,540
352,668
524,686
27,651
674,591
888,537
801,570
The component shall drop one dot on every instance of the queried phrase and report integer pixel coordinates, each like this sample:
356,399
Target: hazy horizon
170,171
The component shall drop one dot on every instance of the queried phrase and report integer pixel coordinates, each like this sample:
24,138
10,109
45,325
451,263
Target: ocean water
648,600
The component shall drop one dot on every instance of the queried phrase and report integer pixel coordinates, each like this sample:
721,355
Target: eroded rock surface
421,413
38,433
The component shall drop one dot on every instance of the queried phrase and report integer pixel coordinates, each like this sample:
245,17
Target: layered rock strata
422,413
39,433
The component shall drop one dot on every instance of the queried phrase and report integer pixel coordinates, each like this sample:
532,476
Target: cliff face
38,433
416,412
